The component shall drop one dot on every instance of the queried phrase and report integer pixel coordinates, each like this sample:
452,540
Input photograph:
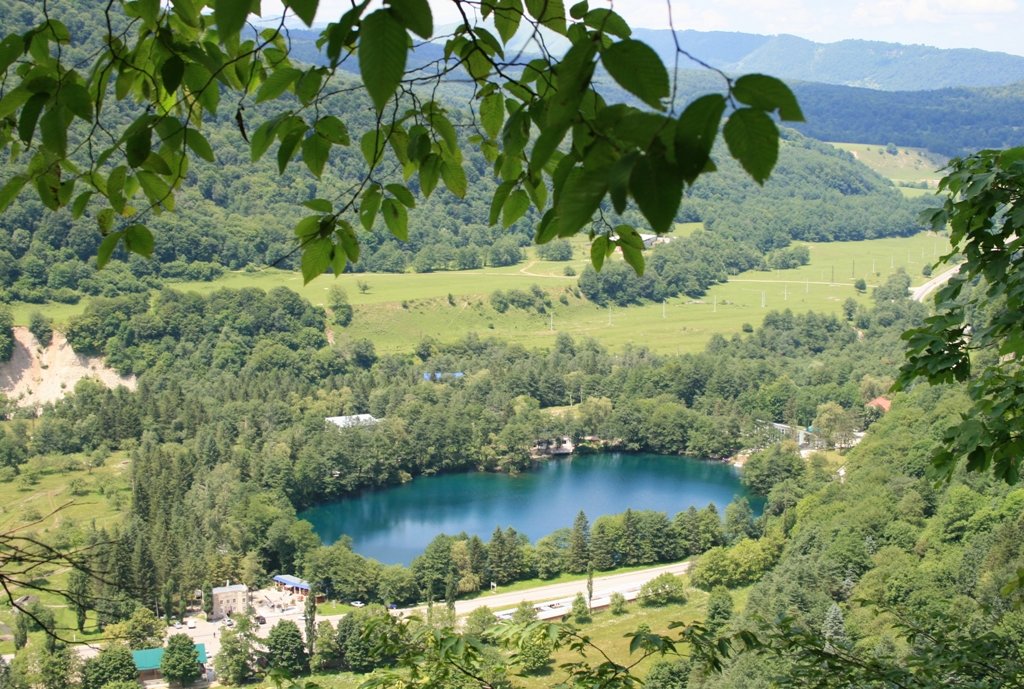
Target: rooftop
353,420
233,588
149,659
289,580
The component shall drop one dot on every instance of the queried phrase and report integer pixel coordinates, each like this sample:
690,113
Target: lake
394,525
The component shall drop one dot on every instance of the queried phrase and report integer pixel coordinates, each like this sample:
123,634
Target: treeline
950,121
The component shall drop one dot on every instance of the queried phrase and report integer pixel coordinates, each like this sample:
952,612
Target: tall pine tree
578,557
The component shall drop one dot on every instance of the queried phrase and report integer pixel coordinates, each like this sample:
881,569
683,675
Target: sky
986,24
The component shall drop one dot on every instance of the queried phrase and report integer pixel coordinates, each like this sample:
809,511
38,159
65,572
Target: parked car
191,624
177,624
357,604
260,619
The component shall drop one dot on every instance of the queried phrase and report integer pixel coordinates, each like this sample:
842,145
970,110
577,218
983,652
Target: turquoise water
394,525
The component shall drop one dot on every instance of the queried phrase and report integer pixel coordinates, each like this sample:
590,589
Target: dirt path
525,270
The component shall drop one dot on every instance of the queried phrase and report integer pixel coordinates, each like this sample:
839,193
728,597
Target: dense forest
227,439
227,431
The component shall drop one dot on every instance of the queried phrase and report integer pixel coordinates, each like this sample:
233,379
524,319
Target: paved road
922,292
603,586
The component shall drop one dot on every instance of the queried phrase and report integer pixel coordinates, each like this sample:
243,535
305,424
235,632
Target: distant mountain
867,64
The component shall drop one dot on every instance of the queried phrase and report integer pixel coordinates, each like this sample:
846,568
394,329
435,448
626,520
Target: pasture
397,310
907,165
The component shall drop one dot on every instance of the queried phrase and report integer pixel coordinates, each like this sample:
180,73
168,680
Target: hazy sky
986,24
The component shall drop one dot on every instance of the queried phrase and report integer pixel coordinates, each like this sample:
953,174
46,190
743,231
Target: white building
353,420
229,599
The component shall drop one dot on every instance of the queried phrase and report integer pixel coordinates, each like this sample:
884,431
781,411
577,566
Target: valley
506,345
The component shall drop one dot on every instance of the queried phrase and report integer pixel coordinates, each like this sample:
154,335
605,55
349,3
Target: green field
398,310
908,165
680,325
43,504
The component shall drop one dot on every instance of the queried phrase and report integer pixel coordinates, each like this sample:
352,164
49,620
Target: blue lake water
394,525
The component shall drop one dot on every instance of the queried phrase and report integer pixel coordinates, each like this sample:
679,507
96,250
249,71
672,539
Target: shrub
662,590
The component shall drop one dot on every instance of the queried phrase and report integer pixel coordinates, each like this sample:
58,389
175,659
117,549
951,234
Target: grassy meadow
53,498
907,165
397,310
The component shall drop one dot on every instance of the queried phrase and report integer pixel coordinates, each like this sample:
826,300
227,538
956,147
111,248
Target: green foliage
974,336
580,610
617,604
739,521
765,469
113,664
6,334
236,663
180,662
479,621
720,609
669,674
142,630
286,650
557,250
578,556
41,328
337,301
664,589
737,565
161,94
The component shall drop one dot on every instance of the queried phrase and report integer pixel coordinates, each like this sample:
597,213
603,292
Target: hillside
867,64
37,375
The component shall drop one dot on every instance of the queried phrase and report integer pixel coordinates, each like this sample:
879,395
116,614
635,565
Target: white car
357,604
191,624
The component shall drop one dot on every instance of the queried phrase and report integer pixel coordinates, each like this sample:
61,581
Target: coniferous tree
833,629
739,521
578,557
580,609
309,612
708,530
602,549
629,544
719,608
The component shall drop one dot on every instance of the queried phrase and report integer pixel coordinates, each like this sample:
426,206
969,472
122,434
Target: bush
662,590
558,250
617,604
580,609
41,327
